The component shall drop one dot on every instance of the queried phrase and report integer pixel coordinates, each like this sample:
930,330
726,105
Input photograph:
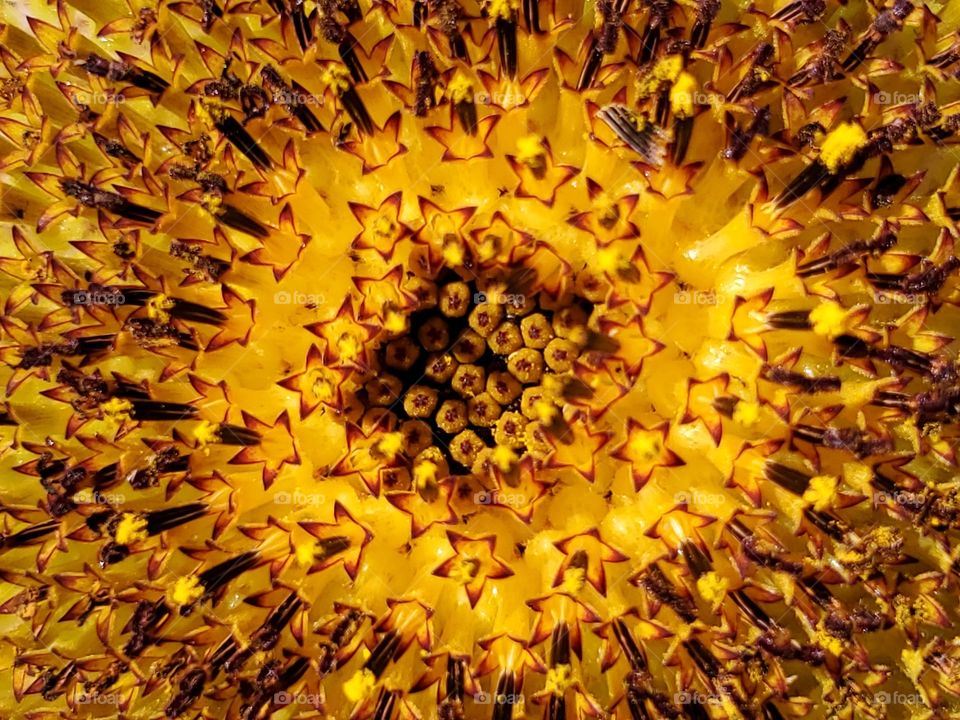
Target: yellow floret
841,145
746,413
131,529
186,590
829,319
360,685
821,492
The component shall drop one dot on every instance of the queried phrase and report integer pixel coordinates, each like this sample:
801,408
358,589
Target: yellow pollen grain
682,95
131,529
746,413
212,201
829,319
530,150
304,552
558,680
545,410
504,457
383,226
645,446
503,9
453,253
666,70
336,78
349,346
206,432
424,473
360,685
395,322
157,308
821,492
574,579
186,590
610,260
323,388
460,89
912,662
464,570
117,409
712,587
390,444
841,145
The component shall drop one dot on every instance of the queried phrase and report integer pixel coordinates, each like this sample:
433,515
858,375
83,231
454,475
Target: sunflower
479,359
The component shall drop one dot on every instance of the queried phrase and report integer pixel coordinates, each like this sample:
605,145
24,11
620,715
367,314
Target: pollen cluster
448,359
